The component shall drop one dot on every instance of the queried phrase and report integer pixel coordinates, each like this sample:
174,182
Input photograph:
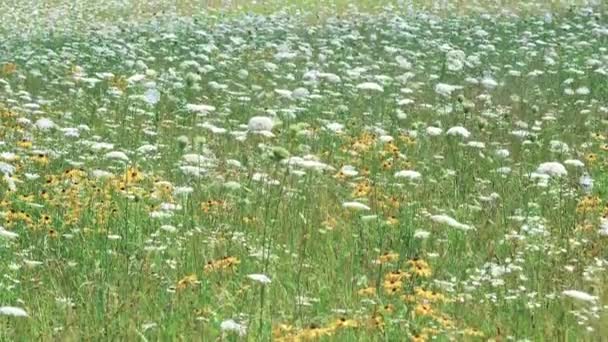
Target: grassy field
392,172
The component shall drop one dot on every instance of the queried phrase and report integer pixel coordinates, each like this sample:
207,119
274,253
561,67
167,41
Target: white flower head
356,206
230,325
552,169
260,124
117,155
445,89
586,183
370,86
459,130
152,96
8,234
433,131
260,278
12,311
201,109
579,295
45,124
449,221
408,174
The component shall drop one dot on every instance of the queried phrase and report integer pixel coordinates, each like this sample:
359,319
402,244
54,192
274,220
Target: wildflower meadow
303,170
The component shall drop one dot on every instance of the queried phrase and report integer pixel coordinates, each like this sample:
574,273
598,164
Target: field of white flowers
397,171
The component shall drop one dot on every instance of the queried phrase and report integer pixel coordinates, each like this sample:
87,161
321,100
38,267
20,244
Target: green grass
151,251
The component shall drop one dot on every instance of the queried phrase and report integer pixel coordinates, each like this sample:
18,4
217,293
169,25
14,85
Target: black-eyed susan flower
224,263
387,257
423,309
367,291
420,268
186,281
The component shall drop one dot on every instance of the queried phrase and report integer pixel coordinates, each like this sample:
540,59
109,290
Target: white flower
308,162
574,162
446,90
370,86
44,124
580,295
403,62
603,226
409,174
101,174
300,93
502,153
260,278
459,130
147,149
582,91
355,206
232,185
136,78
553,169
101,146
7,168
8,234
8,156
152,96
421,234
117,155
557,146
12,311
202,109
476,144
489,83
444,219
335,127
349,171
455,60
586,183
433,131
182,190
260,124
230,325
168,228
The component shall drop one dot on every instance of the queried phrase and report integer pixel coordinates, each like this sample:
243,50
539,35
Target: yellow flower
472,332
281,330
367,292
430,296
445,322
186,281
419,338
40,159
46,220
591,158
420,268
9,68
397,275
387,257
376,321
423,309
362,189
391,147
587,203
313,332
133,175
342,323
388,308
24,143
392,220
392,287
222,264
